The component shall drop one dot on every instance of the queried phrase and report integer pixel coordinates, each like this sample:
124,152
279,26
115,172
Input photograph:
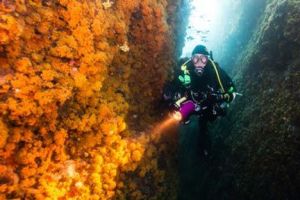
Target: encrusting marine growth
72,73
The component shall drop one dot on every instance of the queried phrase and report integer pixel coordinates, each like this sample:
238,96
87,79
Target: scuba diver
200,88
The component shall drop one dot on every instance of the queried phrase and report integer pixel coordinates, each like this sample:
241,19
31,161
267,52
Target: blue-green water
191,162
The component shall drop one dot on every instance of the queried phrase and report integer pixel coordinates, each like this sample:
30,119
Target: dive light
184,109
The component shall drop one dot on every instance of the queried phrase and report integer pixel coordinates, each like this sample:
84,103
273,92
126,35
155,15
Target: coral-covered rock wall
78,84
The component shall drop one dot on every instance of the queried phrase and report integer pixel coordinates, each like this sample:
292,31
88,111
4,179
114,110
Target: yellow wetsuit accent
184,67
218,75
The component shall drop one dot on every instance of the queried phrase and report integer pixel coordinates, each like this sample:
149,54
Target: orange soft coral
3,134
10,28
77,85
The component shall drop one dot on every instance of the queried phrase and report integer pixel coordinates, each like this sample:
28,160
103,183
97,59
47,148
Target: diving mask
199,61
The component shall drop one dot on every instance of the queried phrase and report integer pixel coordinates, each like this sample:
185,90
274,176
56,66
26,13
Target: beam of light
171,121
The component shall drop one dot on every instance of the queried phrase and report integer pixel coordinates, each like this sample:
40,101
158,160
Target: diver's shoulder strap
217,74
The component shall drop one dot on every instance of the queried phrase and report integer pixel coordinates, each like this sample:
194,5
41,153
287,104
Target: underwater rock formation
255,153
78,82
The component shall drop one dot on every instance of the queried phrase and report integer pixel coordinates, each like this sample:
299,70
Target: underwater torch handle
185,107
180,101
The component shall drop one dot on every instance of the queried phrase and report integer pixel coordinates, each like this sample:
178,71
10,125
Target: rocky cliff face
256,147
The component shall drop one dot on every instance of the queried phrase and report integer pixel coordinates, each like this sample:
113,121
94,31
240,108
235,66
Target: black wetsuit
200,85
209,79
206,83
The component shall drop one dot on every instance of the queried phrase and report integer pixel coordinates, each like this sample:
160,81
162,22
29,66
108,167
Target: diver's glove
228,97
215,97
220,97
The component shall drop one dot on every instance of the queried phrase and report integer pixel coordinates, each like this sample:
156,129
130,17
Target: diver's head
199,59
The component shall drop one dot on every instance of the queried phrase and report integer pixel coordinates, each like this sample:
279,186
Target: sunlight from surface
203,23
